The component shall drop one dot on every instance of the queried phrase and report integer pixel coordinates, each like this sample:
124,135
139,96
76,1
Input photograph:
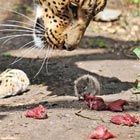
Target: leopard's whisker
18,35
16,30
7,40
41,66
26,52
49,52
21,22
22,15
17,59
47,60
18,26
27,44
24,23
23,46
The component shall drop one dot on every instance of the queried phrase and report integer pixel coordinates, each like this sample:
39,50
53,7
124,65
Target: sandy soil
111,61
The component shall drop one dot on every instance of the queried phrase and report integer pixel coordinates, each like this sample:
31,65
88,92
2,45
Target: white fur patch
39,12
37,40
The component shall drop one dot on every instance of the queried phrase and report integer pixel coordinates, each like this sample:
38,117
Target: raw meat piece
94,102
101,132
117,105
98,103
125,119
37,113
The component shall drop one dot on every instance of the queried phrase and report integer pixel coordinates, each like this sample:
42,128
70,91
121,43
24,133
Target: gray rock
108,15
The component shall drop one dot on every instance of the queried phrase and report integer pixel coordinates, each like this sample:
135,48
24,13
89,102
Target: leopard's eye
74,9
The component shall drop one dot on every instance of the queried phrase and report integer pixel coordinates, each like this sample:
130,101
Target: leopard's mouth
68,47
41,42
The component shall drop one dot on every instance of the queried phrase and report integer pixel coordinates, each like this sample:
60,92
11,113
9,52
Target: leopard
61,24
13,82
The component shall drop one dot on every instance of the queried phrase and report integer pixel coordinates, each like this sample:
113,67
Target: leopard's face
61,23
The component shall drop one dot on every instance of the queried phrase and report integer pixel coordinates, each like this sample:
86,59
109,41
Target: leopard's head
61,23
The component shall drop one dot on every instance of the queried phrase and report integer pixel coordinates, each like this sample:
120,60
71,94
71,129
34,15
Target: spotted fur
65,21
12,82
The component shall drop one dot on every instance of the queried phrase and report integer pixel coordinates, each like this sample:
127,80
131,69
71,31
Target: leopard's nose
68,47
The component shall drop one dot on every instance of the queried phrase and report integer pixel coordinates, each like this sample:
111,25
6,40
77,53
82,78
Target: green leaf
136,87
137,52
135,1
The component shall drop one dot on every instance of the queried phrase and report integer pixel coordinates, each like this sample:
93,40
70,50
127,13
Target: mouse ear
99,6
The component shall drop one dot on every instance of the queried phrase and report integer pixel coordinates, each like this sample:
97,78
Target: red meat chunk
97,103
101,132
125,119
117,105
37,113
94,102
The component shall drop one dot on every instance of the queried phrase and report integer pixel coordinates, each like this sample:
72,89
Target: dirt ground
105,52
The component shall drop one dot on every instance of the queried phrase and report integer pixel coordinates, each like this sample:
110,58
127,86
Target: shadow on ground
63,71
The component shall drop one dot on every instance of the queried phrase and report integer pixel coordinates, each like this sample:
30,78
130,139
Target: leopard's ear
99,6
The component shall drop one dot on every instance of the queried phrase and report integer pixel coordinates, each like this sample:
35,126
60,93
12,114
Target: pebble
108,15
